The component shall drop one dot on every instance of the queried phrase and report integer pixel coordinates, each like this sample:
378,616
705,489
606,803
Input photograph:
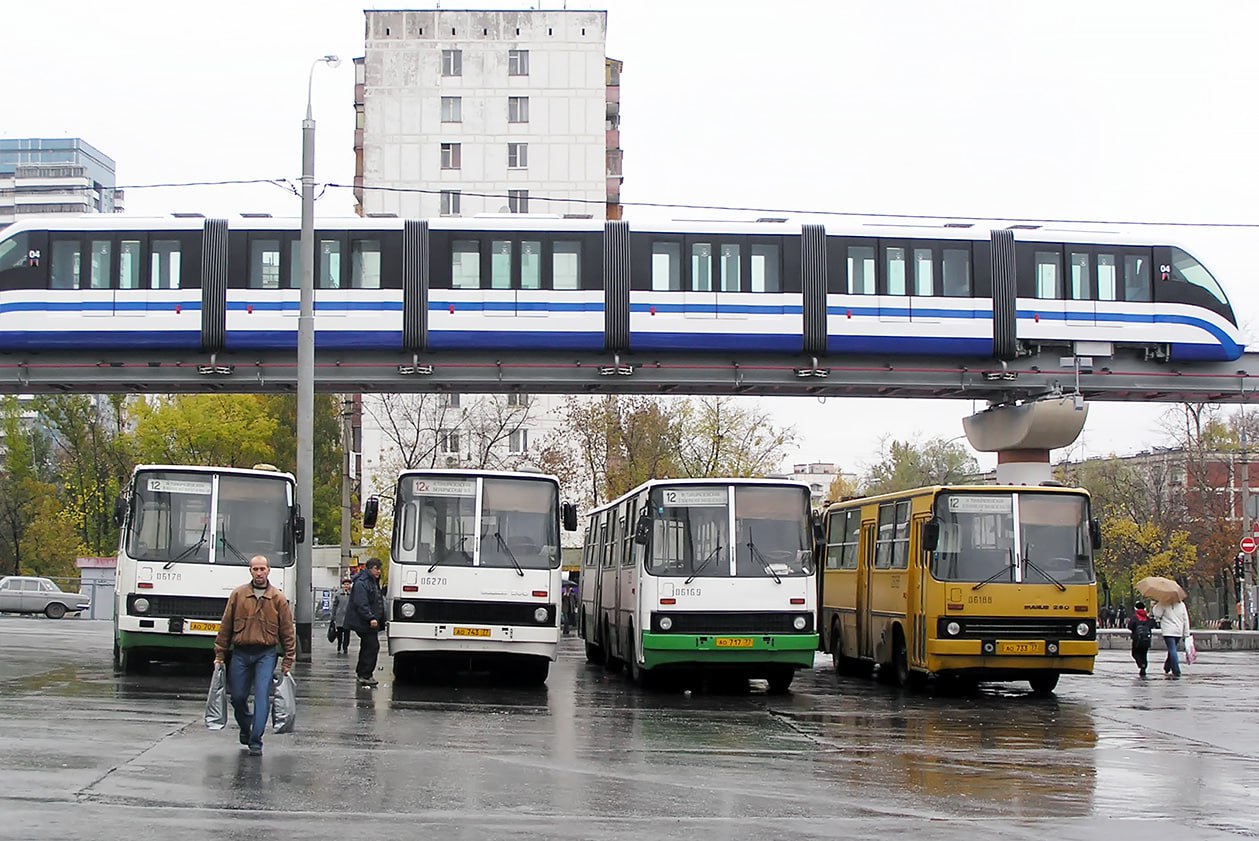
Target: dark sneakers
244,737
255,750
368,681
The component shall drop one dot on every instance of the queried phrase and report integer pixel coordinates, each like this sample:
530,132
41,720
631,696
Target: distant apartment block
460,113
39,176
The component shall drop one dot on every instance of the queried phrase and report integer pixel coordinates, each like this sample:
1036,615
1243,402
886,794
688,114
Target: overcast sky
1066,110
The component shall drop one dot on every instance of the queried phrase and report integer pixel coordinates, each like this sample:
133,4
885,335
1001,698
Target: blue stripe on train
99,306
115,339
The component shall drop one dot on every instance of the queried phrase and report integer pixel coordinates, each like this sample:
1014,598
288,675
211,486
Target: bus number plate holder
211,627
733,642
469,632
1032,647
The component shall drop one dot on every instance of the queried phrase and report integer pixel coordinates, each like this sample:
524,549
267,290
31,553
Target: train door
500,298
1081,306
85,265
921,262
1049,290
894,282
865,585
699,297
730,282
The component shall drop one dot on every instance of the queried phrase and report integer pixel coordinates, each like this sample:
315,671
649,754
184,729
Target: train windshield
1031,538
14,252
207,518
1189,270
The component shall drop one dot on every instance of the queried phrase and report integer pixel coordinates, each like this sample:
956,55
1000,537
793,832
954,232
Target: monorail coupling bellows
1004,294
213,285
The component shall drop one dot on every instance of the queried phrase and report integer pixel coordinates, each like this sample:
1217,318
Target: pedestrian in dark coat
1142,628
366,617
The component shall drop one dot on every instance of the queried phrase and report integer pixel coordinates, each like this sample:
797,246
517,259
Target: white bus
692,574
187,534
475,572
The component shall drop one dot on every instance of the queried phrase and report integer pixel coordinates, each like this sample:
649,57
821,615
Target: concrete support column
1022,434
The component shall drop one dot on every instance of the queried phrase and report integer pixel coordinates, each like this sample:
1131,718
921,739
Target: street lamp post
306,374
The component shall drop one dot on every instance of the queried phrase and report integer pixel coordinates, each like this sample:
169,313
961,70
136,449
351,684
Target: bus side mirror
120,511
930,535
568,512
299,525
642,531
371,510
1095,532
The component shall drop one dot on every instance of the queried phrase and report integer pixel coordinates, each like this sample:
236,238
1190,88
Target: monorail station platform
88,753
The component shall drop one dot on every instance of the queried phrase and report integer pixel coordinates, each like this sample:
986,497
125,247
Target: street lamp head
332,61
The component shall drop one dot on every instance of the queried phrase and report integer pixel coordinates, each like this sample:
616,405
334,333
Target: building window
518,441
450,202
518,398
518,201
452,157
449,440
517,155
451,400
452,62
517,109
517,62
452,109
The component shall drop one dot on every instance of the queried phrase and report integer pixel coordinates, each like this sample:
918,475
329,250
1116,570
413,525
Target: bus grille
1009,627
731,622
186,607
475,612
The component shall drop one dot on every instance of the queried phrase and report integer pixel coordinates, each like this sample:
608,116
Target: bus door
600,583
916,596
865,582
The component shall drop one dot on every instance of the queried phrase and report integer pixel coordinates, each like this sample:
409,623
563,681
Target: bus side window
407,528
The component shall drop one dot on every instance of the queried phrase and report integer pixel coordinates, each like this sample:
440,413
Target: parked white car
28,594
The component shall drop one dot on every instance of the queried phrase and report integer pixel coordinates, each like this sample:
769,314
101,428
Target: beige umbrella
1161,589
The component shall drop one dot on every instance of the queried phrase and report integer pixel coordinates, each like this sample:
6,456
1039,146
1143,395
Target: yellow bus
984,583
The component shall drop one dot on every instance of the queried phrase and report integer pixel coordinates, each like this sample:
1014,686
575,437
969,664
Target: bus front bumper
708,649
155,638
434,638
1070,656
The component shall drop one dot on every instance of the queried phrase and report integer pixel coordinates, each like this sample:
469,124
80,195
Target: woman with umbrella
1173,618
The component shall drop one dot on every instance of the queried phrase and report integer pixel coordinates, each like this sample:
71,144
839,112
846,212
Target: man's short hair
375,563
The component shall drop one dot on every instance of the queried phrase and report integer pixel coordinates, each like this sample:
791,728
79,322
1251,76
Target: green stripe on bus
136,639
730,642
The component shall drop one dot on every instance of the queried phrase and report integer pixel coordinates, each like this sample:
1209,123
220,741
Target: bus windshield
437,522
691,532
171,518
1032,538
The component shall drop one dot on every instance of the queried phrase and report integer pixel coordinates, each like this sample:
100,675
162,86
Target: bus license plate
1021,647
733,642
212,627
470,632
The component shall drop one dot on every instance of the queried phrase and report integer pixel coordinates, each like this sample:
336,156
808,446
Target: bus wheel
1043,684
594,653
843,666
404,670
900,663
645,678
128,661
610,661
780,681
533,671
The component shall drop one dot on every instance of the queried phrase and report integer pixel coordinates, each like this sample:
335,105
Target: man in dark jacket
365,617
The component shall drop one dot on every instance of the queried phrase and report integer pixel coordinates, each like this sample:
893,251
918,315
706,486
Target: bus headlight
665,623
1082,629
407,610
799,623
541,614
141,605
953,629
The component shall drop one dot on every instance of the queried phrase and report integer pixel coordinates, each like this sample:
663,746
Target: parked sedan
27,594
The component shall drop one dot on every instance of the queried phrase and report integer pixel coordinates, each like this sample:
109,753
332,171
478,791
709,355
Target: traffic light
1239,567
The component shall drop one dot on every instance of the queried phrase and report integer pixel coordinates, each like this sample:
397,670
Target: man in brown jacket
256,620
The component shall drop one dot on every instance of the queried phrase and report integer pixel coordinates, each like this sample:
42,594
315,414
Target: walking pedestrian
1173,619
257,619
1142,628
340,606
365,616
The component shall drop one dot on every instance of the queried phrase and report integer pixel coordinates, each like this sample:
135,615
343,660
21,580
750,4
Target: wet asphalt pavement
85,753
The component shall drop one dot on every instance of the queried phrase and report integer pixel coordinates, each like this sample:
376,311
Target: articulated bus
187,534
474,575
981,583
693,574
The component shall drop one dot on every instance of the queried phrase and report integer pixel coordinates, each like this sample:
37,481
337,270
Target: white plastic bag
1191,650
284,705
216,701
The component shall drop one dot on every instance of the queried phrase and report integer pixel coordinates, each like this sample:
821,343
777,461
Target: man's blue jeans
1172,663
250,674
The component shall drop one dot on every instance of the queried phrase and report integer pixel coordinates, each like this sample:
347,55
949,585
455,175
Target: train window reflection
1081,277
164,264
102,264
765,269
1136,278
465,264
896,271
129,264
1106,277
65,264
566,265
500,264
860,270
956,272
701,267
1186,268
924,280
264,264
530,265
1048,270
666,267
14,252
365,264
729,268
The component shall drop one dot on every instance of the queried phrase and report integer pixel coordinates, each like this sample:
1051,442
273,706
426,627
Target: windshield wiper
697,570
190,550
756,553
440,557
510,554
1061,587
228,544
1003,571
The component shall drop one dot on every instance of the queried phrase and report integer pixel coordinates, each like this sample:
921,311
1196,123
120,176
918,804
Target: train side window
566,265
329,265
1107,277
365,264
1187,269
701,267
895,271
164,264
666,267
465,264
861,270
730,274
101,268
956,274
1136,277
1048,270
500,264
766,269
1081,277
924,272
264,264
129,264
530,265
65,264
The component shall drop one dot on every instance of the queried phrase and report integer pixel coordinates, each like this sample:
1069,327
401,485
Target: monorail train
528,283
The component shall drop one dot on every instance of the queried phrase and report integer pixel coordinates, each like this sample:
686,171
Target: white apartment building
487,112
